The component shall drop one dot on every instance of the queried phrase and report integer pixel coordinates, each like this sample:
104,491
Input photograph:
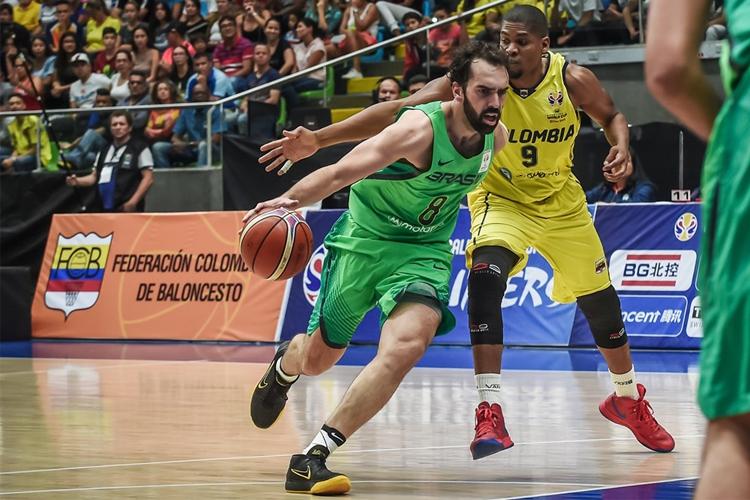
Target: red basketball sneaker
638,416
491,435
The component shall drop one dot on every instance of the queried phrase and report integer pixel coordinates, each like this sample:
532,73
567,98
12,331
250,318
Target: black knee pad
602,310
488,279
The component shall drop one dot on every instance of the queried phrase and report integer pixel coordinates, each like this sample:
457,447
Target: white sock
283,377
625,384
327,437
488,385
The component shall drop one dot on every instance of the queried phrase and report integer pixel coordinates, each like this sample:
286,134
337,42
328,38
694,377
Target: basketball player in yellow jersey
530,197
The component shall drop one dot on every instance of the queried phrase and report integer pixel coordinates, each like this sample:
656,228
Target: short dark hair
6,7
532,18
460,69
229,18
103,92
126,114
202,55
385,79
140,72
418,78
109,30
411,15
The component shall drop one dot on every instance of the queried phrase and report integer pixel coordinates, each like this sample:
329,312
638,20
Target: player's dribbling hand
618,164
296,145
272,204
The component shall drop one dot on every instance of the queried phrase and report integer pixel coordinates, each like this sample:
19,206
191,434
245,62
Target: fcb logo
311,277
686,226
77,271
555,98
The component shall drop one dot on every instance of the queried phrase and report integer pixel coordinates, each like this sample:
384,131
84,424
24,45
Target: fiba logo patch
311,276
77,272
686,226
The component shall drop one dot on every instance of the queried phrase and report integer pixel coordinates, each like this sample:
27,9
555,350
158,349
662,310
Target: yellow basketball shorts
567,239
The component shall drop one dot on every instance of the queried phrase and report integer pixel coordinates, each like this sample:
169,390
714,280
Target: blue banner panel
530,316
652,250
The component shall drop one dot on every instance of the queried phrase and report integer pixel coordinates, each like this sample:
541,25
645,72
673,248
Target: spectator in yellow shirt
23,137
99,19
28,14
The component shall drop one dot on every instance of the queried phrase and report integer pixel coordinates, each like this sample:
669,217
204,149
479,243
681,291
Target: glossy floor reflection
109,420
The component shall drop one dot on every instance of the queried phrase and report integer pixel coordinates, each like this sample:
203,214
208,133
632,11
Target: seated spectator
182,69
416,83
223,8
139,96
415,57
104,62
175,38
251,21
471,26
189,134
130,22
391,11
161,22
632,189
282,55
162,121
82,152
309,51
21,36
120,88
64,24
360,25
444,39
48,15
124,169
27,86
83,90
263,124
145,56
23,138
215,80
581,14
234,55
63,76
387,89
28,14
199,43
325,13
42,61
98,19
292,21
193,20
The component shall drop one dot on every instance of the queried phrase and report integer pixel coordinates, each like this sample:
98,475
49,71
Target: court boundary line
284,455
250,483
661,481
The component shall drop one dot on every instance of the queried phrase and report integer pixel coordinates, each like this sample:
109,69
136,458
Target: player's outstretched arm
588,94
408,138
673,70
302,143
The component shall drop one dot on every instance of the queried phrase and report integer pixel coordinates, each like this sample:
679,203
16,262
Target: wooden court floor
85,428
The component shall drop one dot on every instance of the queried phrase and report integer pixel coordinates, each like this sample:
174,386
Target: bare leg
309,355
726,459
618,360
405,336
487,358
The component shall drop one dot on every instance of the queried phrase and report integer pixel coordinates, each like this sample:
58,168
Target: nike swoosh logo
441,162
263,382
303,474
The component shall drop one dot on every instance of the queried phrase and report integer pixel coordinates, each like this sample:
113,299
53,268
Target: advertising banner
530,316
652,252
151,276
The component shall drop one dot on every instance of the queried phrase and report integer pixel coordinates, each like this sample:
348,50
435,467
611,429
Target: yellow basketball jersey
543,125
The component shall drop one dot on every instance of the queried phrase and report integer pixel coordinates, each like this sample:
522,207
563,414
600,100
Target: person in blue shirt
636,188
189,134
262,107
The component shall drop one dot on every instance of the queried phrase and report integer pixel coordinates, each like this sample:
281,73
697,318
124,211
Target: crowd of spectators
95,53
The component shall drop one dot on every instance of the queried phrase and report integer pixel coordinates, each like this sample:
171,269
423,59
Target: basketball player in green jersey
390,249
674,74
530,197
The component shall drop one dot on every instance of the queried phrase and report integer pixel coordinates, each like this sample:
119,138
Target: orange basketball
277,244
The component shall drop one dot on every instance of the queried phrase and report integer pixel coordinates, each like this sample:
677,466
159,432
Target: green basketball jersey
401,203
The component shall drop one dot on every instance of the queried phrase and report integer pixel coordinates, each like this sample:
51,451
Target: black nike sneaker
269,397
308,474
